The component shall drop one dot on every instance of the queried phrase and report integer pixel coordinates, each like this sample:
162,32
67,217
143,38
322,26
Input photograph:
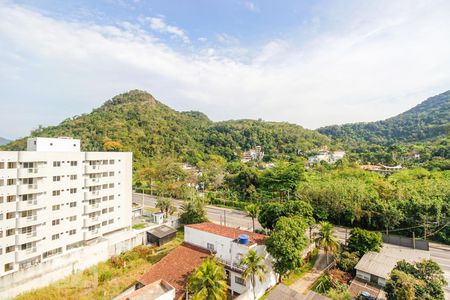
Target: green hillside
3,141
427,121
135,121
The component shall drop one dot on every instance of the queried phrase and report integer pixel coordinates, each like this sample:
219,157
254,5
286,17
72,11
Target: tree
269,214
193,211
252,211
208,281
347,261
429,279
326,239
402,286
286,244
255,268
363,241
165,206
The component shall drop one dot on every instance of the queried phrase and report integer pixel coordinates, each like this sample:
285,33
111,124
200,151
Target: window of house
111,162
9,267
73,191
210,246
104,211
10,249
55,222
56,193
73,177
10,232
10,215
28,181
104,223
111,173
11,198
72,218
111,221
2,165
111,185
56,164
27,213
51,252
27,197
2,182
239,280
105,186
73,204
1,219
104,198
73,163
56,178
12,165
111,209
28,165
11,181
111,197
56,207
72,232
55,237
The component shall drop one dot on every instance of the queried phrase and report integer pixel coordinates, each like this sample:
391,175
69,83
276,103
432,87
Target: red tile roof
228,232
176,267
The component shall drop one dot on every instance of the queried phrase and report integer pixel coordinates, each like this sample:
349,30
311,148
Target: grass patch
300,272
139,226
106,279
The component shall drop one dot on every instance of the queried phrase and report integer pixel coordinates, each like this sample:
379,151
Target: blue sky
313,63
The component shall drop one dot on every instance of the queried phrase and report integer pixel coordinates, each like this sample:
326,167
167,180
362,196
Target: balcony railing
235,266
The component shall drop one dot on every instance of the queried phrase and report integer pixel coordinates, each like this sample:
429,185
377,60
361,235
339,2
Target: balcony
28,237
90,208
92,181
22,255
29,204
28,189
28,221
91,234
92,221
32,172
93,169
233,266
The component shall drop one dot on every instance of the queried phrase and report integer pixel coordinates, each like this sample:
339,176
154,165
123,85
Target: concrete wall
68,263
406,242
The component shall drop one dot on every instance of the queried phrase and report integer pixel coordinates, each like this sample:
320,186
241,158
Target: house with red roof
229,245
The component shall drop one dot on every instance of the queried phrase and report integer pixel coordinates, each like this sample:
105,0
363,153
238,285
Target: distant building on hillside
381,169
327,156
255,154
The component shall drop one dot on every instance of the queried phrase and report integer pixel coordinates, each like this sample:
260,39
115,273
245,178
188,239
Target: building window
51,252
111,185
73,177
104,223
27,229
11,198
56,193
73,204
55,222
12,165
9,267
10,232
10,249
10,215
104,211
111,221
55,237
56,207
56,178
56,164
72,218
111,197
111,173
73,191
1,199
73,163
239,280
11,182
25,246
27,213
111,209
2,182
105,186
72,232
210,246
2,165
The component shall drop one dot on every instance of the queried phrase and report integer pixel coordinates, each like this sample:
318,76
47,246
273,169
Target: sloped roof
162,231
176,267
381,263
228,232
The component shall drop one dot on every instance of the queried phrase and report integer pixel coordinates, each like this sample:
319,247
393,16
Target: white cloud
160,25
374,65
249,5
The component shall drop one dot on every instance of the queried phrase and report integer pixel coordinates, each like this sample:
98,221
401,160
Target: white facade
229,252
59,199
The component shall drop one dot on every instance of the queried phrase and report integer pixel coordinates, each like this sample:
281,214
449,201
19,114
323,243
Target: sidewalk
303,284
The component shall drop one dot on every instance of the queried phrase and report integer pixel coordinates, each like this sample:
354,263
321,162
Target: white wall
53,144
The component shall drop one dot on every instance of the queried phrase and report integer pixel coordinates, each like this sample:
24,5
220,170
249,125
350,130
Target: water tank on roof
243,239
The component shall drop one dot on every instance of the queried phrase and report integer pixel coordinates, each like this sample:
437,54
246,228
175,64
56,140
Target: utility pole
224,218
414,240
142,201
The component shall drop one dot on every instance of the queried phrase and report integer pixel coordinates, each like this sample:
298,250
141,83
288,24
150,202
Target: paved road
235,218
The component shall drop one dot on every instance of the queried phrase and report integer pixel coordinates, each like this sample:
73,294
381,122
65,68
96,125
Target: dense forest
136,122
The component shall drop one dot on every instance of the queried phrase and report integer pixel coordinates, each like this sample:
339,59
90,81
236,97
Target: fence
406,242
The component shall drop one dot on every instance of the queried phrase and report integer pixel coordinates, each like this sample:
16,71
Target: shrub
363,241
347,261
142,251
104,275
117,262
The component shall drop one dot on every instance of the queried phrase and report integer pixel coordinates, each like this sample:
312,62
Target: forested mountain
427,121
3,141
136,122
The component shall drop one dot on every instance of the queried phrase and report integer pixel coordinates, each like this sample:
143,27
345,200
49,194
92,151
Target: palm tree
254,268
252,211
326,238
208,281
165,206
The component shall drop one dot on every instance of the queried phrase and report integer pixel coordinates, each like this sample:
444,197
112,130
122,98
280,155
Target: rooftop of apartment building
229,232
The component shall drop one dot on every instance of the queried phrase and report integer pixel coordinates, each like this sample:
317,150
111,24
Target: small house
161,235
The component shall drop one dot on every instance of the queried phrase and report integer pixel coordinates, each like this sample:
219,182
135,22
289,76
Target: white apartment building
229,245
55,198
